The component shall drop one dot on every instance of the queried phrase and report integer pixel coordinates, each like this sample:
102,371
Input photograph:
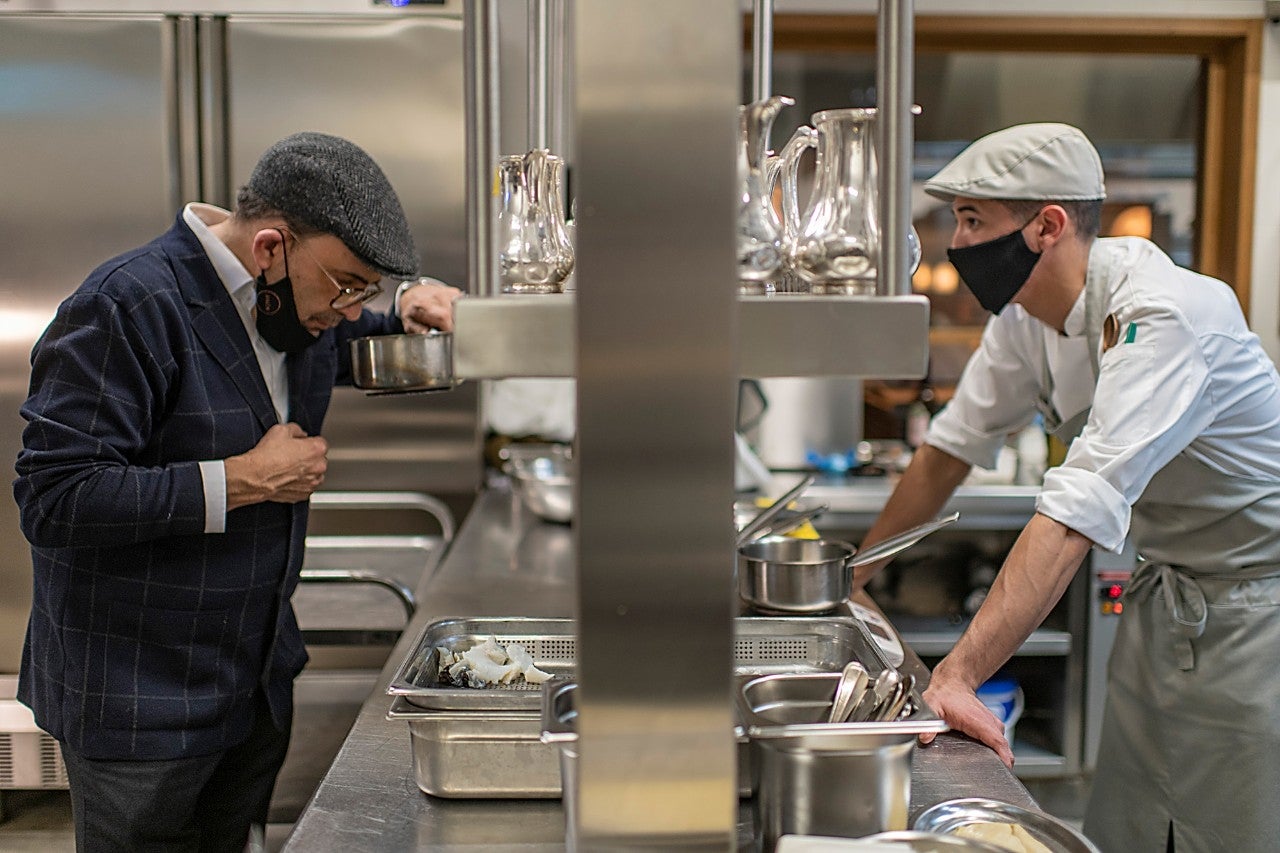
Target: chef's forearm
1033,578
925,488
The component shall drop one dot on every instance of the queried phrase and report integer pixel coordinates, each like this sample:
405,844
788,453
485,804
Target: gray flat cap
332,185
1034,162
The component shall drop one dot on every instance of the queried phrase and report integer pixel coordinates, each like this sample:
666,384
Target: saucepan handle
896,544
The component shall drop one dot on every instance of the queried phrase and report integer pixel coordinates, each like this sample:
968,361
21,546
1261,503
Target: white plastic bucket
1003,697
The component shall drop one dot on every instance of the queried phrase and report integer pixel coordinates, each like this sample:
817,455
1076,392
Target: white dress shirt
1187,376
239,284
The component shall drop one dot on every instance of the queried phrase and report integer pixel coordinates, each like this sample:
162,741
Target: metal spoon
893,708
853,682
886,685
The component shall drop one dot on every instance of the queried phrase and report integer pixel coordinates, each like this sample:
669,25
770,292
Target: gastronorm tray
462,754
762,646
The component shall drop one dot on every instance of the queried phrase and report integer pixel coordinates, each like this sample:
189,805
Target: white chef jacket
1186,377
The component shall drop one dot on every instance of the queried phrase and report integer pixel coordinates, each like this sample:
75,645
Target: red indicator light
1115,591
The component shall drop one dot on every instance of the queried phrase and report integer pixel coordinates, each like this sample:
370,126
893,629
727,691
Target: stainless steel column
215,139
761,49
480,83
559,42
895,35
539,74
183,134
657,92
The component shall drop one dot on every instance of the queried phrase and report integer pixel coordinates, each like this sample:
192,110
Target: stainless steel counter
505,562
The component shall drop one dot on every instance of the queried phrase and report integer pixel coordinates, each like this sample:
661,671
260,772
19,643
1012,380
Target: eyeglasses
348,297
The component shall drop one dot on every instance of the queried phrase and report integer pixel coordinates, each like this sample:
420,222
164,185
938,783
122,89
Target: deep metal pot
789,575
403,363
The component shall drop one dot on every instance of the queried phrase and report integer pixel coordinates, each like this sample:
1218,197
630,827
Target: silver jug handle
804,137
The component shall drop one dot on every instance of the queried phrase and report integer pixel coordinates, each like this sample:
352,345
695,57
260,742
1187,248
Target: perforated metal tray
762,646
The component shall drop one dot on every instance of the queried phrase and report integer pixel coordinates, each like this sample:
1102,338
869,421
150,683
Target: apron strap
1184,599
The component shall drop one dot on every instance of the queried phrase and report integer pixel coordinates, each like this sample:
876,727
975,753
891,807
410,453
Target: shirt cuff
213,475
405,285
1087,504
954,437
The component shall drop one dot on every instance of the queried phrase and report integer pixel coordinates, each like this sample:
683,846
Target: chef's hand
286,466
428,305
960,707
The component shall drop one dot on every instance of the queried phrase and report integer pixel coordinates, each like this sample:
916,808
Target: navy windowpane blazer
148,638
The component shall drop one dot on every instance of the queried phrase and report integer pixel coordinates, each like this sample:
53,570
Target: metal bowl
931,842
403,363
542,477
947,817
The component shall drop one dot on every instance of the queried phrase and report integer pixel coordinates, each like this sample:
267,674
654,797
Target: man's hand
961,708
428,306
286,466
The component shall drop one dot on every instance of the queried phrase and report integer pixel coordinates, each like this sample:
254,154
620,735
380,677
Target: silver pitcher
835,242
760,249
535,252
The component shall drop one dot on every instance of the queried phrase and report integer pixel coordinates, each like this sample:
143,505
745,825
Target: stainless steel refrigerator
110,120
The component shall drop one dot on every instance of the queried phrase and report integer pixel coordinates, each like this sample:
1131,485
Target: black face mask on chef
277,316
996,270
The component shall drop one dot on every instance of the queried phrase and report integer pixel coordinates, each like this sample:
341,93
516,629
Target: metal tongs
752,529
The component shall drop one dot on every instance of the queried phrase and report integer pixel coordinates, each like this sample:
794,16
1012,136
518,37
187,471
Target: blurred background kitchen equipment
789,575
403,363
948,817
806,417
542,478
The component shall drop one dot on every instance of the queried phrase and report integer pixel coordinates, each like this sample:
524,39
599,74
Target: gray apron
1191,730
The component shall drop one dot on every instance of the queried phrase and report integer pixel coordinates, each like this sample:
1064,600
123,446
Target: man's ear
1052,225
268,244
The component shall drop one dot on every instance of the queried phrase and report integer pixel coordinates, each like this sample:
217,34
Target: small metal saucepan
789,575
398,364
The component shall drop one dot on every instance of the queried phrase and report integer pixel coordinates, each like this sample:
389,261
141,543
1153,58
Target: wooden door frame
1230,50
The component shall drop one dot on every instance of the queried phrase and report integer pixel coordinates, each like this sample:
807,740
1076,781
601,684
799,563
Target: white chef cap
1033,162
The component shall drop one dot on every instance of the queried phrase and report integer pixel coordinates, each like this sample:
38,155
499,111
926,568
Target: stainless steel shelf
933,643
885,337
935,636
1032,762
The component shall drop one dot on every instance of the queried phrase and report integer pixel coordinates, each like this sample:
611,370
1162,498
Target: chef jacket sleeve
1151,401
995,396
